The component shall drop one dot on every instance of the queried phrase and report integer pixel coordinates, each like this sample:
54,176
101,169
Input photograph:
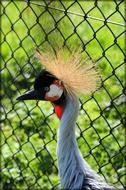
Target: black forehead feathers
43,79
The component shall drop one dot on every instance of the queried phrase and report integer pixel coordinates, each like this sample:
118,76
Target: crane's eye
54,93
47,89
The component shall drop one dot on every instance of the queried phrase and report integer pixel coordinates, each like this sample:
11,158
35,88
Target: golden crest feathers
76,74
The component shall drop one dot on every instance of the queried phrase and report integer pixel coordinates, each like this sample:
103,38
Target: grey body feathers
74,172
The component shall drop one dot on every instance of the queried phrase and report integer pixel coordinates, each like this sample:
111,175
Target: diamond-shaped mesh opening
28,129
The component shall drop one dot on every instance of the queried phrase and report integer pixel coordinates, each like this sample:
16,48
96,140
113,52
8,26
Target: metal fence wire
28,129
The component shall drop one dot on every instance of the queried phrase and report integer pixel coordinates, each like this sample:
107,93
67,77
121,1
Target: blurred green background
28,129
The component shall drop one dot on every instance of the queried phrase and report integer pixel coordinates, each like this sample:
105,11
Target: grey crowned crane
65,76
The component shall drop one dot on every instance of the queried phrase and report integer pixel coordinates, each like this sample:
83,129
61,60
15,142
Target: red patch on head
58,111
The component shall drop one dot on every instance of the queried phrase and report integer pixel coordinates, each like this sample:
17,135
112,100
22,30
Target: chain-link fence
28,129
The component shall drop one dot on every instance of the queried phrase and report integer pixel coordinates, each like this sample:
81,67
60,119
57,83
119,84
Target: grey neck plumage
74,172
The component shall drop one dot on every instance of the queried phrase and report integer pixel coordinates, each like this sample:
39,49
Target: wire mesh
28,129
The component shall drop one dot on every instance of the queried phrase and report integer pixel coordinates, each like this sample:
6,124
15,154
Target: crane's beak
31,95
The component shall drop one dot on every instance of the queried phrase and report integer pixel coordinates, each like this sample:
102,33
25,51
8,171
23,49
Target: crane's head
47,87
64,73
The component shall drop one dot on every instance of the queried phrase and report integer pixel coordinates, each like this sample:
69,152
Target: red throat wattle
58,111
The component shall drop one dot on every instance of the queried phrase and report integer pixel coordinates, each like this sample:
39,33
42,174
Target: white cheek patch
55,91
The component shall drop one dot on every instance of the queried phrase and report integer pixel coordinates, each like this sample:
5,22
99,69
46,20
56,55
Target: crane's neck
74,171
69,158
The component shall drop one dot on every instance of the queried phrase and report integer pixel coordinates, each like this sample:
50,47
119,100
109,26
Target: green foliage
28,131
